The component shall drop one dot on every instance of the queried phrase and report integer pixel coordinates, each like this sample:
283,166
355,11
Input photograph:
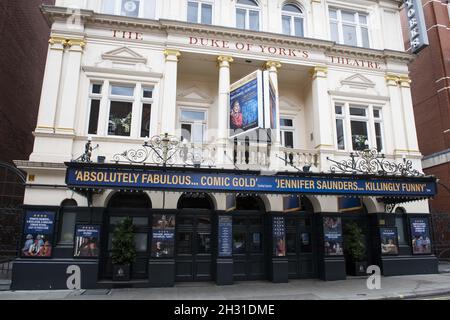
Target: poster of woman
420,236
163,233
38,234
246,104
389,241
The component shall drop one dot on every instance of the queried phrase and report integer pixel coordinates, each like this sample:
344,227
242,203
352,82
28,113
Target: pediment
194,94
358,81
124,54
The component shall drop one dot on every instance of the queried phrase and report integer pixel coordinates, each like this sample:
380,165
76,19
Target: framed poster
87,241
163,235
279,237
420,235
270,103
38,234
225,236
389,240
246,105
332,236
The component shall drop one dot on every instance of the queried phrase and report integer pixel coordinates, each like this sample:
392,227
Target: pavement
354,288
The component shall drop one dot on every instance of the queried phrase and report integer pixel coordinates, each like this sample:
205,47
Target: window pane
333,14
247,2
359,134
340,134
145,120
192,12
350,35
238,242
291,8
289,139
399,223
305,242
147,93
338,109
256,244
365,37
298,25
122,91
140,242
286,122
93,117
197,133
109,6
358,112
140,221
334,32
376,113
97,88
286,22
254,20
68,226
184,243
186,132
120,118
240,18
130,8
348,16
290,243
204,243
362,18
192,116
378,136
206,13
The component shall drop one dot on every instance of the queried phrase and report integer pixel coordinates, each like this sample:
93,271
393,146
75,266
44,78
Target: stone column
397,120
69,92
276,154
169,100
222,110
408,114
50,85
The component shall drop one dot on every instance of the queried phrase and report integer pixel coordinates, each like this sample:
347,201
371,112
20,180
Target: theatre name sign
229,182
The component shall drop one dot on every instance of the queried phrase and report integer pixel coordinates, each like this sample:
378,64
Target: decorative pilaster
69,90
50,85
318,15
169,100
408,114
222,114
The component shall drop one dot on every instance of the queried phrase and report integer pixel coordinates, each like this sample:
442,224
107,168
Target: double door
249,246
300,246
193,246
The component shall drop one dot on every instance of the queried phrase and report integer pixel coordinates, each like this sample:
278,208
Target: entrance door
193,246
141,223
248,246
300,246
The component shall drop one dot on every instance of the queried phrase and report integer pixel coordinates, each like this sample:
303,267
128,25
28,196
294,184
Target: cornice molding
90,17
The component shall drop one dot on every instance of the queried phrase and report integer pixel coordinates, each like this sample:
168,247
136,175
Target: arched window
247,15
292,20
195,201
68,220
129,200
130,8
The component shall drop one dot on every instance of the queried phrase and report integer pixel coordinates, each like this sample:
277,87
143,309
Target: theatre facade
246,140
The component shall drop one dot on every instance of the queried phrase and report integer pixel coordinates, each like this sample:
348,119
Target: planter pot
359,268
121,272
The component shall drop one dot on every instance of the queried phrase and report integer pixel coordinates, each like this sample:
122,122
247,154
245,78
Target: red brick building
23,46
430,87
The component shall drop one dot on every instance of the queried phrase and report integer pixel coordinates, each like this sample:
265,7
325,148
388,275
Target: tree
123,250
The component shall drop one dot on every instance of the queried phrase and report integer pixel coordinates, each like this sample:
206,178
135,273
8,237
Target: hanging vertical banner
246,104
270,103
416,25
225,236
279,237
38,233
163,238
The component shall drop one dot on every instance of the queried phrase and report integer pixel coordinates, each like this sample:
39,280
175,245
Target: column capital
319,72
57,43
404,81
224,61
171,54
272,65
392,79
76,43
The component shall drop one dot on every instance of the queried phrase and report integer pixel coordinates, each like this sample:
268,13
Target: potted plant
355,249
123,249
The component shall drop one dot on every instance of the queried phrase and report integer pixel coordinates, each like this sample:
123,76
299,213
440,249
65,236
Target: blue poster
420,236
245,103
332,235
279,237
87,241
163,235
38,233
225,236
291,203
349,204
